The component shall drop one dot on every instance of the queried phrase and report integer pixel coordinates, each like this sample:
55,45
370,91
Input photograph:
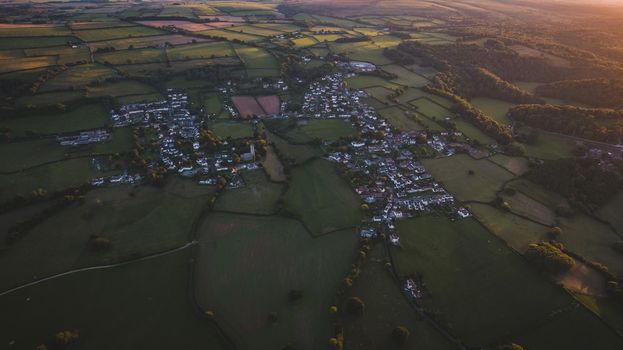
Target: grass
530,208
78,77
31,42
321,199
549,146
213,103
366,81
494,108
516,165
120,88
116,33
452,172
296,154
399,119
232,129
201,50
246,259
386,308
328,129
431,109
304,42
382,94
611,212
25,31
49,98
121,142
538,193
231,35
255,57
90,116
27,63
134,56
258,196
516,231
473,280
137,289
405,76
472,132
21,155
51,177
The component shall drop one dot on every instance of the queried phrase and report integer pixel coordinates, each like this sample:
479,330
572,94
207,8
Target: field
258,196
293,153
431,109
120,88
321,199
270,104
245,259
230,35
549,146
473,281
472,132
494,108
382,94
366,81
247,106
200,50
399,119
82,118
405,76
135,56
64,54
515,165
49,98
115,33
256,58
328,129
16,30
231,129
452,172
79,77
145,41
611,212
184,25
134,288
386,308
21,155
11,65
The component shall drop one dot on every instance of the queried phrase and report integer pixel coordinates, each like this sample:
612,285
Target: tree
400,335
355,306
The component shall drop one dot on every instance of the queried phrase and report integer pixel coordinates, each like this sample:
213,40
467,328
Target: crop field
258,196
386,308
321,199
516,165
405,76
452,172
134,288
230,35
270,104
231,129
243,259
459,262
115,33
11,65
247,106
514,230
78,77
399,119
31,42
145,41
203,50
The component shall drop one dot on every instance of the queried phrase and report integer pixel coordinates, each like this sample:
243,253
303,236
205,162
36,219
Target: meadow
258,196
321,199
243,259
399,119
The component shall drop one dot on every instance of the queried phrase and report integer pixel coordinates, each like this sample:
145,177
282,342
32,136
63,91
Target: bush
400,335
355,306
549,256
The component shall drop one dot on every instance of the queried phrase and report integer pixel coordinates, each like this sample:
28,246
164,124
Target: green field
201,50
549,146
27,63
494,108
431,109
530,208
452,172
152,294
116,33
213,103
31,42
399,119
22,155
405,76
85,117
515,165
294,153
246,259
382,94
611,212
472,132
231,35
134,56
78,77
258,196
120,88
321,199
256,58
366,81
231,129
34,31
386,308
49,98
328,129
473,280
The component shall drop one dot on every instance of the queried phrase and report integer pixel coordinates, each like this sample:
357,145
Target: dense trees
582,181
604,93
549,256
605,125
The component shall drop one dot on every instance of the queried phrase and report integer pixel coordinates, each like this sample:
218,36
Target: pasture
321,198
293,153
243,259
472,132
548,145
231,129
49,98
32,42
134,56
258,196
120,88
28,30
473,279
89,35
405,77
79,77
134,288
494,108
230,35
64,54
453,173
516,165
367,81
255,57
399,119
530,208
22,155
386,308
200,50
431,109
328,129
611,212
145,41
25,63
